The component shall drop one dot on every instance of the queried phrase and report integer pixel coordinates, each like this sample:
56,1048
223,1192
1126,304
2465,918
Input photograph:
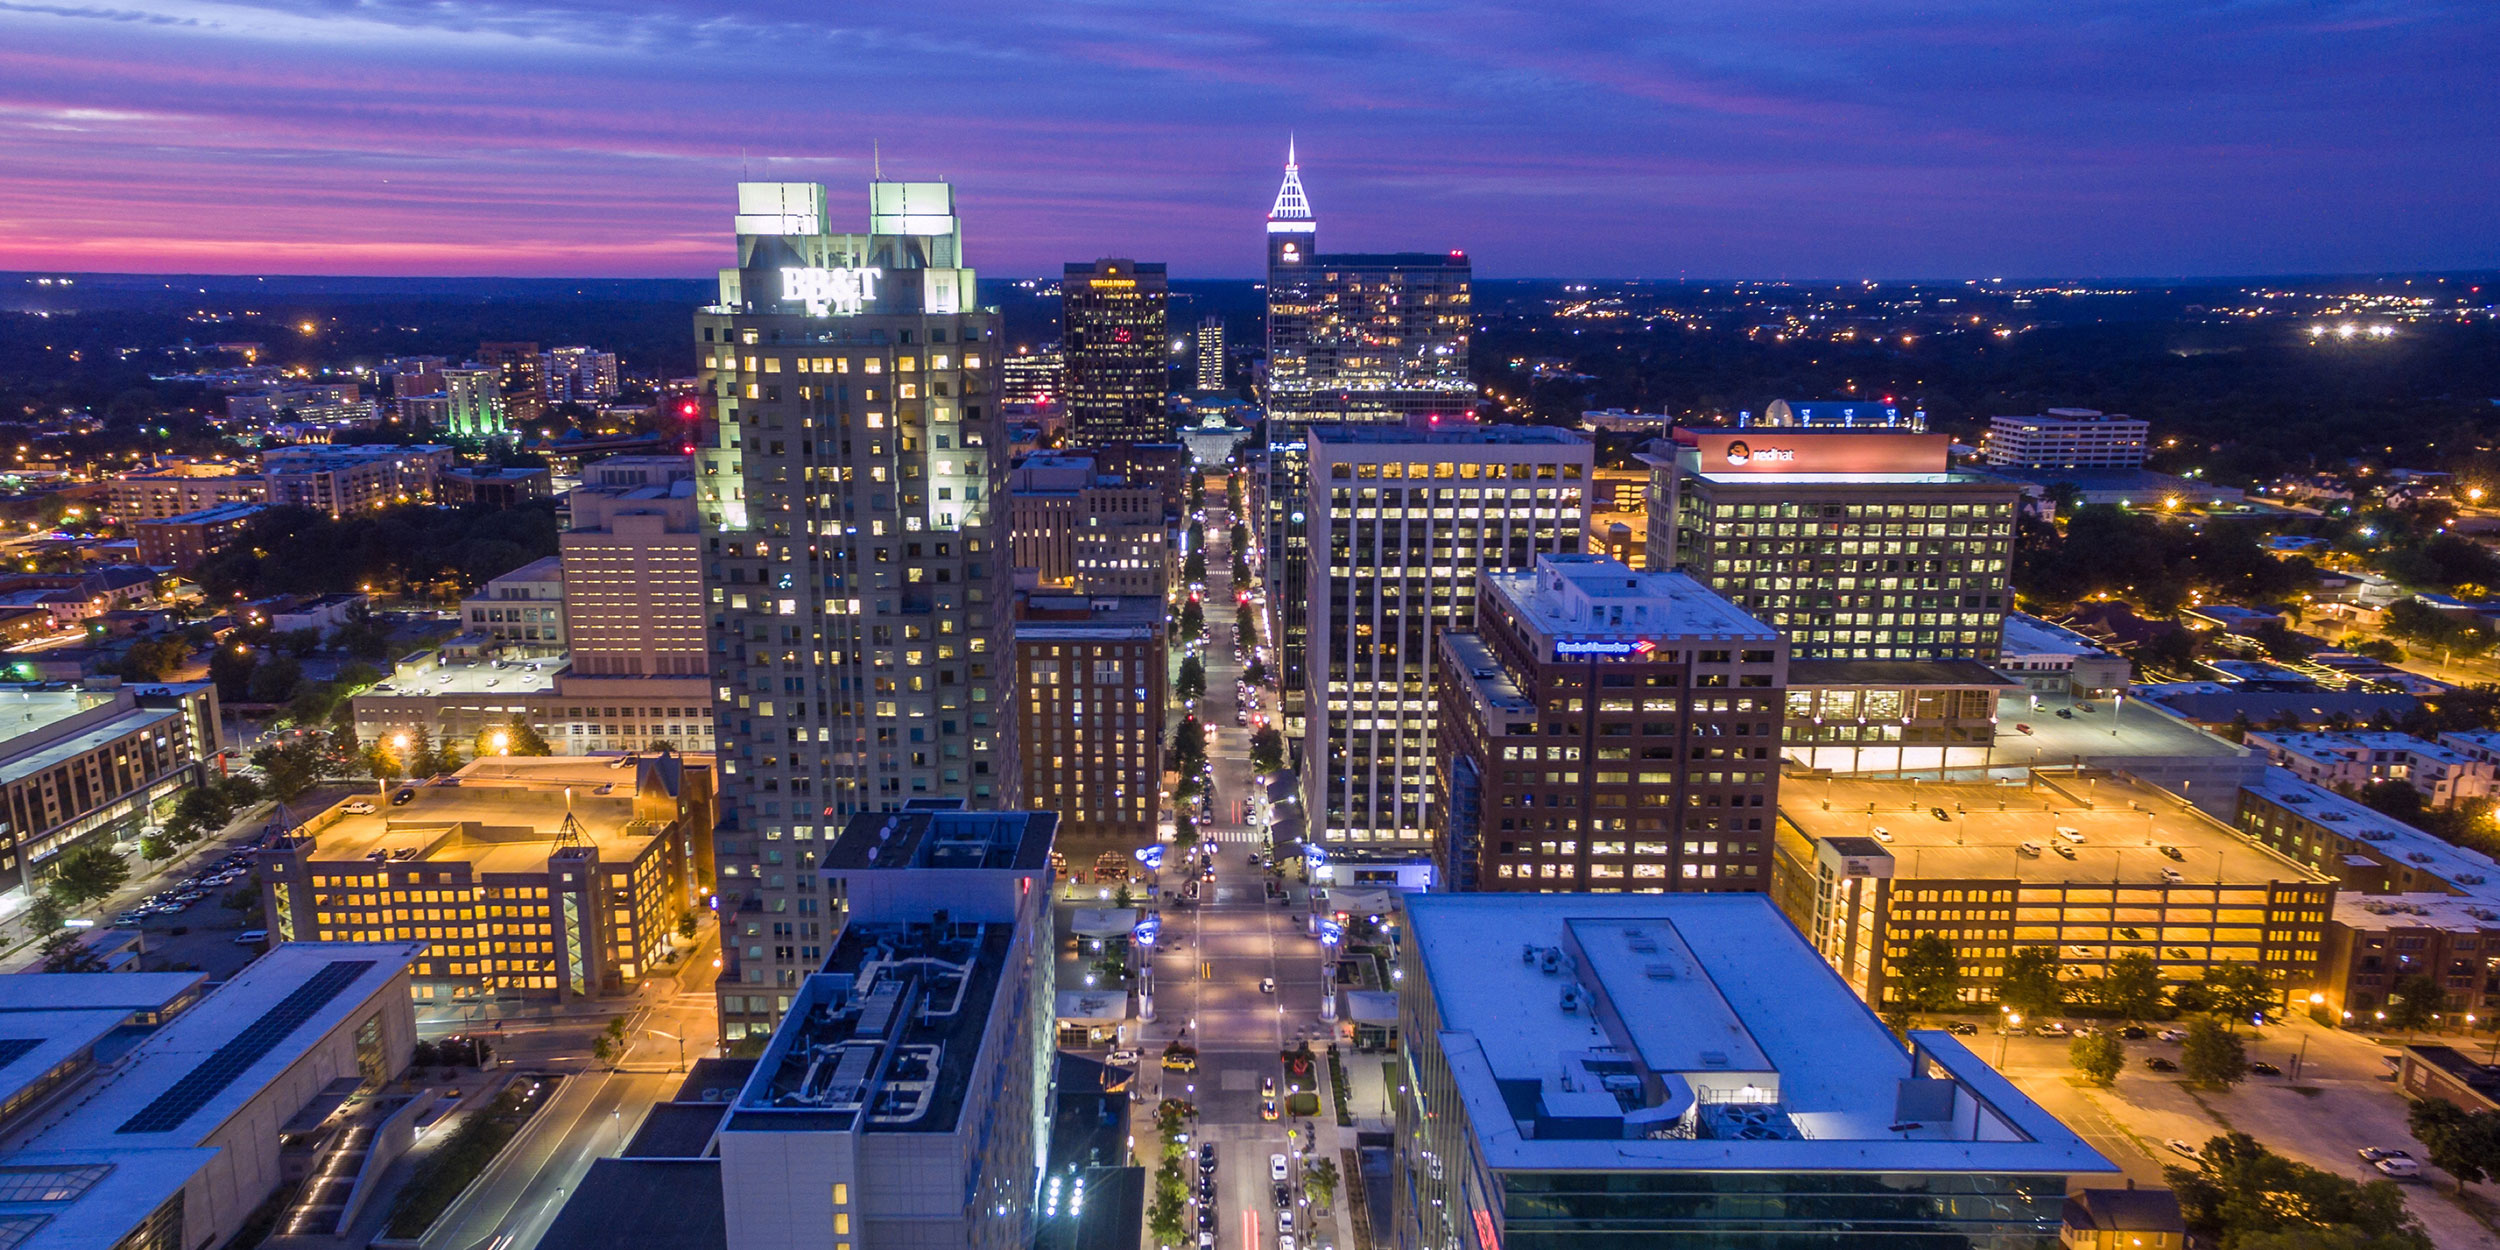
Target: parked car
2024,730
1881,834
1962,1028
251,937
2173,852
2372,1154
1267,985
2135,1032
2265,1069
2399,1169
2054,1028
2172,1035
1121,1057
2181,1147
1276,1169
2159,1064
2063,851
359,807
1281,1195
403,795
2031,850
1940,814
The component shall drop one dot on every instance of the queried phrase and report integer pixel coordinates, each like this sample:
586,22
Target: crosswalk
1239,837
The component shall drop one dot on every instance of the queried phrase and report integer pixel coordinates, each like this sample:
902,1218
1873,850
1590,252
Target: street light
681,1046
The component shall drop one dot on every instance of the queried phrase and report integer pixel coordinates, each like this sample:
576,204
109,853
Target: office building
178,1141
81,766
343,479
178,542
521,612
1092,670
481,486
578,375
1072,527
1350,337
474,406
1618,524
178,488
1839,414
1896,716
2052,659
904,1100
633,578
2093,867
326,403
415,375
520,376
1605,729
1856,545
858,580
1034,379
1210,348
2067,438
1112,322
1403,519
522,878
1682,1068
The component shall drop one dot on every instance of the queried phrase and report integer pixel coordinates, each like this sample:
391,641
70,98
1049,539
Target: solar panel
13,1049
229,1061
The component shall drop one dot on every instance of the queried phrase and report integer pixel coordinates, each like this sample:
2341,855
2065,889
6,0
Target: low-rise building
522,611
341,479
2090,867
1893,716
177,488
2052,659
1071,527
179,1141
1683,1067
530,878
2440,773
485,487
2067,438
182,541
80,765
2122,1219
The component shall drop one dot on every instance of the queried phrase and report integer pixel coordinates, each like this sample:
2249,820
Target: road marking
1206,971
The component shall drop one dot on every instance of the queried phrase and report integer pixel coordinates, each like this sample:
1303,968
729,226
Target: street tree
2031,985
2213,1055
1267,750
2239,1194
1193,622
2413,1003
1319,1179
2466,1144
2099,1057
1192,682
1928,977
87,873
2132,986
2239,991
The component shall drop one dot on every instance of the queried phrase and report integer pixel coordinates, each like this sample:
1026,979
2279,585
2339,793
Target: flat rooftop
2029,635
2474,875
1390,433
524,677
1590,596
944,839
2109,732
493,828
50,755
1697,1032
2123,828
32,709
1494,690
1955,674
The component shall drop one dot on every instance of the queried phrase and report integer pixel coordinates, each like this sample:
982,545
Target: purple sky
1801,138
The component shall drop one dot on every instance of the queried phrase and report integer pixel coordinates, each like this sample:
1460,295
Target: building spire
1291,203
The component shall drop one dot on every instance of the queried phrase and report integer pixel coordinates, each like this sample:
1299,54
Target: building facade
1604,729
1072,527
95,765
1092,671
1856,545
1112,319
341,479
1210,348
178,542
1350,337
1403,521
2067,438
179,489
857,577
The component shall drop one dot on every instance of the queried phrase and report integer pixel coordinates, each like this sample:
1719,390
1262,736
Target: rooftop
1698,1032
60,751
2473,874
2349,745
2029,635
1045,618
1599,597
1954,673
1362,433
208,516
495,828
675,1203
2123,828
943,839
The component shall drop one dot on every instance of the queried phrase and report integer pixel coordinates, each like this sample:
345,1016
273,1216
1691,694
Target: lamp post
681,1046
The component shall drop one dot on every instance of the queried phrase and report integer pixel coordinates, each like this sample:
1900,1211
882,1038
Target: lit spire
1291,204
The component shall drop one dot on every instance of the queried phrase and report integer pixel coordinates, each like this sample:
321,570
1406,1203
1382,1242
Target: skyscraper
475,410
1350,337
1405,518
1112,316
858,593
1211,354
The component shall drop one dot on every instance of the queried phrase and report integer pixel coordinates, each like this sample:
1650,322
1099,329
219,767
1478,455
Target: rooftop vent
1658,972
1714,1058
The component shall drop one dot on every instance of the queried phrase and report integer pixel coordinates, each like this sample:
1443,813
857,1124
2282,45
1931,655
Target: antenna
742,163
876,160
570,833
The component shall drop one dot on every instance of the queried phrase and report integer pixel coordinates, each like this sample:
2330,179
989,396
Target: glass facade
1853,578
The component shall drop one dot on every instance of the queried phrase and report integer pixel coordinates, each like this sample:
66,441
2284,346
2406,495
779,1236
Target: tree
2464,1143
2339,1237
515,736
1927,977
1246,626
2132,986
686,925
86,873
1193,623
384,763
2099,1057
1184,831
1194,569
2212,1054
291,767
149,659
274,680
156,846
2030,984
2413,1002
2240,1190
44,916
1267,751
1192,682
610,1044
1319,1178
2239,991
1189,746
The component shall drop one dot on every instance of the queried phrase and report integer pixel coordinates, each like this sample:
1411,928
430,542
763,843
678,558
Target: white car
2172,1035
359,807
1123,1057
1284,1223
1277,1170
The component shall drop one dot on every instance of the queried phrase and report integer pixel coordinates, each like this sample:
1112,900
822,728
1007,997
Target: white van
251,937
2032,849
2071,834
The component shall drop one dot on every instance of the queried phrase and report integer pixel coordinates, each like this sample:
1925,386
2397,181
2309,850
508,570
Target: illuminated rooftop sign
837,292
1568,648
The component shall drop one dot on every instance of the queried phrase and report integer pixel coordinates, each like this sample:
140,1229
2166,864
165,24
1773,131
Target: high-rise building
1111,319
1854,544
1211,354
1350,337
476,404
1036,378
415,375
1091,674
2067,438
857,579
1684,1069
520,374
633,580
1402,519
1074,528
1606,729
579,375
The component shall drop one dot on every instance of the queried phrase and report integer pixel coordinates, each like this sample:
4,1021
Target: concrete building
1683,1067
2443,775
521,612
1072,527
1606,730
633,581
2090,867
2052,659
178,542
179,489
326,403
1034,379
1350,337
1895,716
1093,672
2066,438
523,880
1210,348
474,405
342,479
226,1096
521,374
579,375
1112,319
858,581
82,765
1857,545
1839,414
480,486
1403,520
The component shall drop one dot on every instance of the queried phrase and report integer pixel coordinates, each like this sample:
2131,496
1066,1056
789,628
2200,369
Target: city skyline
477,139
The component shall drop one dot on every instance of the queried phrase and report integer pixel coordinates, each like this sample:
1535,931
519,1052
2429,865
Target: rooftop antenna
876,160
570,832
